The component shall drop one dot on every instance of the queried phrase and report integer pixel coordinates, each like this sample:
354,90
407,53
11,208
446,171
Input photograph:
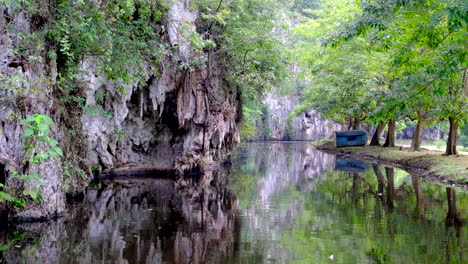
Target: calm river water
279,203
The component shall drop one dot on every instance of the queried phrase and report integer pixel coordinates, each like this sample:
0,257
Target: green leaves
37,130
28,132
249,35
37,148
414,50
36,125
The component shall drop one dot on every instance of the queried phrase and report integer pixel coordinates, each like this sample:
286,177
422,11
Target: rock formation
276,125
176,119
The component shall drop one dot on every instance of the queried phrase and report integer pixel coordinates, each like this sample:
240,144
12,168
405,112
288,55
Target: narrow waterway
279,203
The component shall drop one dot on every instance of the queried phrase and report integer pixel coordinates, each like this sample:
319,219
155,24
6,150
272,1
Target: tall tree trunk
452,138
357,123
375,141
390,140
416,142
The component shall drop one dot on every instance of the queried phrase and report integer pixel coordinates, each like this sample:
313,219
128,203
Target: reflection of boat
346,138
350,165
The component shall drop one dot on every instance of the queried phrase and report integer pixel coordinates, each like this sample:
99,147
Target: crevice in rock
3,131
3,174
16,64
37,22
169,116
7,16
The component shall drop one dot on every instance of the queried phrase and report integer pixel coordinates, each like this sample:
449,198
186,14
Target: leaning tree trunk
390,140
452,138
378,131
416,142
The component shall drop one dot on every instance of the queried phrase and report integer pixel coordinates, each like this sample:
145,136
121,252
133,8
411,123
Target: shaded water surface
279,203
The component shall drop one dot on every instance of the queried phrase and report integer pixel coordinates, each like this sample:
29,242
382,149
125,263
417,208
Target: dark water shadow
348,164
135,220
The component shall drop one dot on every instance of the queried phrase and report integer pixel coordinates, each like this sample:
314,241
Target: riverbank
429,164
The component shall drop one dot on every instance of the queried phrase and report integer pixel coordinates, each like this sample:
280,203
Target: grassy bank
429,164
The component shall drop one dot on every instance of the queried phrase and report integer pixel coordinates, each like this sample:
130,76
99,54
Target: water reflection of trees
384,214
139,221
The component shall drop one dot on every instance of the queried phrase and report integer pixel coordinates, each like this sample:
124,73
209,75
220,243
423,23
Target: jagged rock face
428,133
307,126
176,119
25,90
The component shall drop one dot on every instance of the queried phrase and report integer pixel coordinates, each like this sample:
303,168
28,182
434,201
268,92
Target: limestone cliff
276,124
176,119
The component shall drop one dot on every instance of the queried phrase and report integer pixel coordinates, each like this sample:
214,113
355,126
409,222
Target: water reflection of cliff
285,164
278,171
138,221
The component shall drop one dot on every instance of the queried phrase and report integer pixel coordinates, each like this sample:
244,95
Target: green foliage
378,256
17,238
38,148
390,60
248,126
289,131
249,35
123,39
464,135
342,79
36,131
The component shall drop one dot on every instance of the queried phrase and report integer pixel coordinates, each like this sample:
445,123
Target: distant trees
390,60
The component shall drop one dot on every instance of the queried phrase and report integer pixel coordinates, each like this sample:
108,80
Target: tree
342,80
427,40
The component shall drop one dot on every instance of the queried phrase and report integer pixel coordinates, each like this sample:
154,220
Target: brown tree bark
356,123
375,141
452,138
416,142
390,140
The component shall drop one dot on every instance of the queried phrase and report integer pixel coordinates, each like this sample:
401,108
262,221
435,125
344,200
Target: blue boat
345,138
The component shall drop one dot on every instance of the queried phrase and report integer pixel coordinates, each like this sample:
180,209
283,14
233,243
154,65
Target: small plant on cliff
38,148
37,130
